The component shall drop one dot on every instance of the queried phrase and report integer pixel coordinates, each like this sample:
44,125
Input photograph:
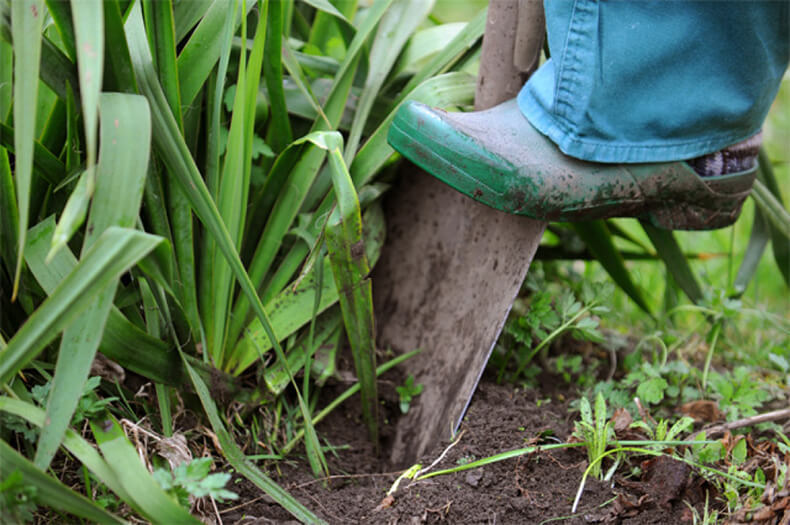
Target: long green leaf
110,256
187,13
88,18
234,185
9,213
236,458
122,342
134,477
6,79
74,443
51,491
779,243
280,130
668,249
758,241
26,22
47,164
772,208
395,28
204,48
350,269
462,43
599,241
125,139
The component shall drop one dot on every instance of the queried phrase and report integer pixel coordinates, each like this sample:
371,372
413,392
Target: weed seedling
193,479
17,499
595,430
407,392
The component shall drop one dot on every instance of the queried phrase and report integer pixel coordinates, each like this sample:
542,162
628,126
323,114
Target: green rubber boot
496,157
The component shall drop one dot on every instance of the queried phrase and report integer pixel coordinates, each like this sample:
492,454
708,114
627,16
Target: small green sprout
407,392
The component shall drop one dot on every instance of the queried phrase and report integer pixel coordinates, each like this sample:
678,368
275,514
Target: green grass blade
187,13
291,308
61,15
299,78
9,213
135,478
327,7
162,34
204,48
779,243
46,164
234,185
6,79
73,213
26,22
280,129
109,257
123,341
236,458
599,241
395,28
462,43
88,19
74,443
52,491
119,75
772,209
125,139
758,241
668,249
350,269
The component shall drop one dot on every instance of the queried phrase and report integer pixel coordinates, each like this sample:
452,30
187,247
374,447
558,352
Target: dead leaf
174,449
702,411
385,503
621,420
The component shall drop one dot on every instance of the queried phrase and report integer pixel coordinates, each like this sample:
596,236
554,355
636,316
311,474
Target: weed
407,392
595,430
89,405
17,499
549,316
193,479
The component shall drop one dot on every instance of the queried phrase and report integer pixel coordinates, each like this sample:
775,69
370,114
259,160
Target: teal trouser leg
651,81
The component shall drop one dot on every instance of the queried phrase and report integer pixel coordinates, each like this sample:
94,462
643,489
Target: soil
529,489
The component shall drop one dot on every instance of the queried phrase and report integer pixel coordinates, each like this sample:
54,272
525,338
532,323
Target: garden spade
451,267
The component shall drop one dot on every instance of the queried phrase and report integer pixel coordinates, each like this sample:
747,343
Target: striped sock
732,159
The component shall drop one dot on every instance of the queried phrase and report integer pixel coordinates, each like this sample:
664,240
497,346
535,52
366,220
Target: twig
719,430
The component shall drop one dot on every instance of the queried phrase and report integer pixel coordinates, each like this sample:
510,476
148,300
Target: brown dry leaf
702,411
621,420
107,369
763,514
385,503
174,449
